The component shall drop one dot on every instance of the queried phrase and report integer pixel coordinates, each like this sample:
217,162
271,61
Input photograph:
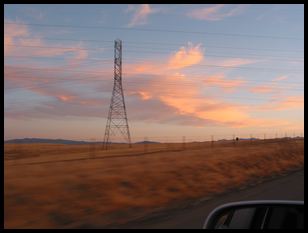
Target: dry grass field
64,186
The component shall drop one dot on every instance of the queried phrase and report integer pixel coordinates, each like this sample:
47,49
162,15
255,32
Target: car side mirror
257,215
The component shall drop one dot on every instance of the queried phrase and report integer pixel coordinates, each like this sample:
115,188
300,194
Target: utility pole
117,123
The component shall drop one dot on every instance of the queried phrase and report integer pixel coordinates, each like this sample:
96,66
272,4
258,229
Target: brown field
63,186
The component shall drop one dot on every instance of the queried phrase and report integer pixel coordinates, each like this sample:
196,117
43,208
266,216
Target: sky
193,71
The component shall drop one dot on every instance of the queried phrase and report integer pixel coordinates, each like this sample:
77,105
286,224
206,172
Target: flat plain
84,186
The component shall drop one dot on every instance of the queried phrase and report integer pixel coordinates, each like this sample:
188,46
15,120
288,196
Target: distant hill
61,141
248,139
222,140
44,140
146,142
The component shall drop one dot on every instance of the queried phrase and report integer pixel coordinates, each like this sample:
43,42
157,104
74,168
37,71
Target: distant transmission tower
117,123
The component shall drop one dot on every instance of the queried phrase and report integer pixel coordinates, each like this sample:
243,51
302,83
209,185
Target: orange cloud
220,81
33,45
188,102
261,89
144,68
37,47
216,12
291,102
140,15
65,98
233,62
207,109
145,95
12,31
265,123
186,97
217,112
167,87
180,103
279,78
186,56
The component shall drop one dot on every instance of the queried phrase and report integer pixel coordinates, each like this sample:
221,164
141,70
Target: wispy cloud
232,62
270,88
186,56
261,89
280,78
286,103
11,31
34,13
220,80
164,93
19,40
140,14
216,12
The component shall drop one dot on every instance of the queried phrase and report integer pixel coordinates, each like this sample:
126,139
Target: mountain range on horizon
60,141
81,142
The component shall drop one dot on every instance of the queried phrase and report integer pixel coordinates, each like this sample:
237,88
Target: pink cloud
141,13
51,84
144,67
65,98
151,101
287,103
216,12
261,89
18,40
222,113
145,95
189,103
186,56
192,104
232,62
280,78
219,80
11,31
56,110
34,13
162,96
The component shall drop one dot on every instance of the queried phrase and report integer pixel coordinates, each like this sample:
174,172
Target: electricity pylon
117,123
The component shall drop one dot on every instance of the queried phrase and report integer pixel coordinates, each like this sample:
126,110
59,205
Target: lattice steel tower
117,123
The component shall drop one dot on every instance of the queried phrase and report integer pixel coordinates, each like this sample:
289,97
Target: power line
130,73
106,61
237,67
157,84
222,47
156,51
163,43
271,83
177,95
52,47
160,30
197,65
219,55
57,58
152,83
207,48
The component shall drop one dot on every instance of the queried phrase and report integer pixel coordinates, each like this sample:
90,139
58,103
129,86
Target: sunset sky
188,70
